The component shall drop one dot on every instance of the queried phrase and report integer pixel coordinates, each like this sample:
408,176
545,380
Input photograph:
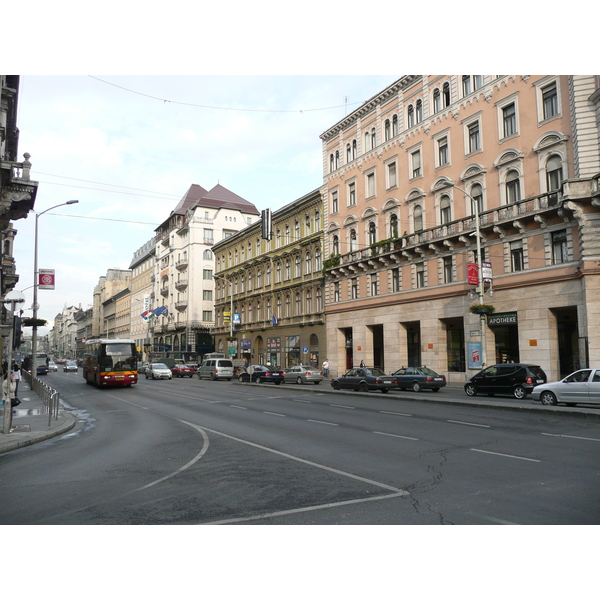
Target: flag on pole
161,310
147,314
274,320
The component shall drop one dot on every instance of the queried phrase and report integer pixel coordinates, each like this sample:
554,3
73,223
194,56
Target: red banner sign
472,274
46,279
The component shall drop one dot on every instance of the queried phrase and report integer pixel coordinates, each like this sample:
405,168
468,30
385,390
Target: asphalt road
200,452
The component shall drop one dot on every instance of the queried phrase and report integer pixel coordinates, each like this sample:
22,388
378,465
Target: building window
354,288
393,226
372,233
419,111
420,275
437,100
278,239
331,163
259,278
318,218
207,295
308,263
351,194
415,159
336,292
298,304
334,203
513,187
288,271
447,266
410,117
308,302
297,230
367,141
418,218
396,280
560,252
445,210
207,274
207,255
474,138
374,285
319,300
335,246
348,153
370,185
509,120
470,83
288,306
307,225
395,125
550,101
353,241
278,273
207,315
337,159
446,95
443,158
298,270
391,175
387,130
476,199
373,138
517,261
268,277
554,176
287,234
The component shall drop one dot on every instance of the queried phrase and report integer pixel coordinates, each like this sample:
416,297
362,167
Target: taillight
529,381
428,378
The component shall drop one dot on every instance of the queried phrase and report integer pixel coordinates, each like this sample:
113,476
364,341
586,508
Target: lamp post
480,282
36,284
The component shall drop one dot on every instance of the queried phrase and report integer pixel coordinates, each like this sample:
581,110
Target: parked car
582,386
261,374
365,379
70,367
216,368
142,367
302,374
52,367
419,378
513,379
182,371
158,371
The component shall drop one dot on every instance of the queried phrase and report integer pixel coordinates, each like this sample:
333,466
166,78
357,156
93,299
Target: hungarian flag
147,314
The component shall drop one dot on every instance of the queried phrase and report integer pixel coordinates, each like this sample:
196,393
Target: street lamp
480,282
36,284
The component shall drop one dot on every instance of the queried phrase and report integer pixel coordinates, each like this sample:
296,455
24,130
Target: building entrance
506,334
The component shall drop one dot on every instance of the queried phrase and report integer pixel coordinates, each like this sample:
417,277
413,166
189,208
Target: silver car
581,387
302,374
158,371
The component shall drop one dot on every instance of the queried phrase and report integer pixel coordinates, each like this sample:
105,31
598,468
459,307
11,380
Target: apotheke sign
502,319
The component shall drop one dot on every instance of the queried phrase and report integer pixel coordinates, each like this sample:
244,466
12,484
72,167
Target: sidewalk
31,422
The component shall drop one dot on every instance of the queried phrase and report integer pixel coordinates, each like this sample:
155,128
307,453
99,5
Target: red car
182,371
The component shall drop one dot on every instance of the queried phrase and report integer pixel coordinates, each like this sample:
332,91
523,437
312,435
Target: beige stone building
410,180
269,294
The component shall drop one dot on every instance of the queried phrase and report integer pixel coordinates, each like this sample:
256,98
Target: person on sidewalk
8,394
16,376
326,369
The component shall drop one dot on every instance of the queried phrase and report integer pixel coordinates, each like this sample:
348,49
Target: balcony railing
181,264
181,304
164,290
181,284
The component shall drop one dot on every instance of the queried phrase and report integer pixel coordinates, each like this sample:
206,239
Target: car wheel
278,383
416,386
384,390
212,377
241,379
317,382
470,389
146,375
299,380
436,389
335,385
258,380
520,392
363,387
548,398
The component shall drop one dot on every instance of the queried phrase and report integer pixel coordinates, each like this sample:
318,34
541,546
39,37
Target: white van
216,368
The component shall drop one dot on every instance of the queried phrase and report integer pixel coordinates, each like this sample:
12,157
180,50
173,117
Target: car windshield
159,366
376,372
70,363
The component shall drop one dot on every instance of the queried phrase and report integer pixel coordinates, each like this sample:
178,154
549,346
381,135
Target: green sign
231,350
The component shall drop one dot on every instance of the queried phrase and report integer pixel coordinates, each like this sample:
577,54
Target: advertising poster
475,355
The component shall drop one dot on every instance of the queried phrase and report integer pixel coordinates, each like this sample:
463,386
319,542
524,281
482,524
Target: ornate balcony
182,263
181,284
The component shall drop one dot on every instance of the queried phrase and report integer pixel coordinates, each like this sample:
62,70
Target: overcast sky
129,147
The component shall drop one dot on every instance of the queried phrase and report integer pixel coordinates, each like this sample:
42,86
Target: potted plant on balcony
482,309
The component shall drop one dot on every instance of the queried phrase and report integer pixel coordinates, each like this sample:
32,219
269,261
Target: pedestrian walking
326,368
362,363
8,394
16,375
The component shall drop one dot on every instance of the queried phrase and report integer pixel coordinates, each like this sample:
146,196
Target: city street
186,451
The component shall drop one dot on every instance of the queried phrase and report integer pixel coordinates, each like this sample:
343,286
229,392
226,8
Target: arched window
393,226
319,307
445,210
418,218
208,255
317,220
297,230
372,233
278,273
308,263
268,277
446,95
395,125
373,141
513,187
353,241
288,270
437,100
318,261
287,234
298,270
477,198
335,246
387,130
554,175
298,304
331,164
337,159
367,141
410,116
348,153
288,306
259,278
353,149
419,111
308,301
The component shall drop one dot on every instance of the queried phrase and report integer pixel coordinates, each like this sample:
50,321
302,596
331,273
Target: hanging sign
46,279
472,274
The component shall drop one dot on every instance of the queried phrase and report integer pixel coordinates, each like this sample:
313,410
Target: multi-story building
269,294
432,168
84,319
142,296
107,320
185,265
64,340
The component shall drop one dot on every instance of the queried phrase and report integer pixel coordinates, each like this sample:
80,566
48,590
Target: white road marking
235,406
471,424
322,422
398,436
494,519
387,412
342,406
266,412
187,465
573,437
306,509
506,455
305,401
